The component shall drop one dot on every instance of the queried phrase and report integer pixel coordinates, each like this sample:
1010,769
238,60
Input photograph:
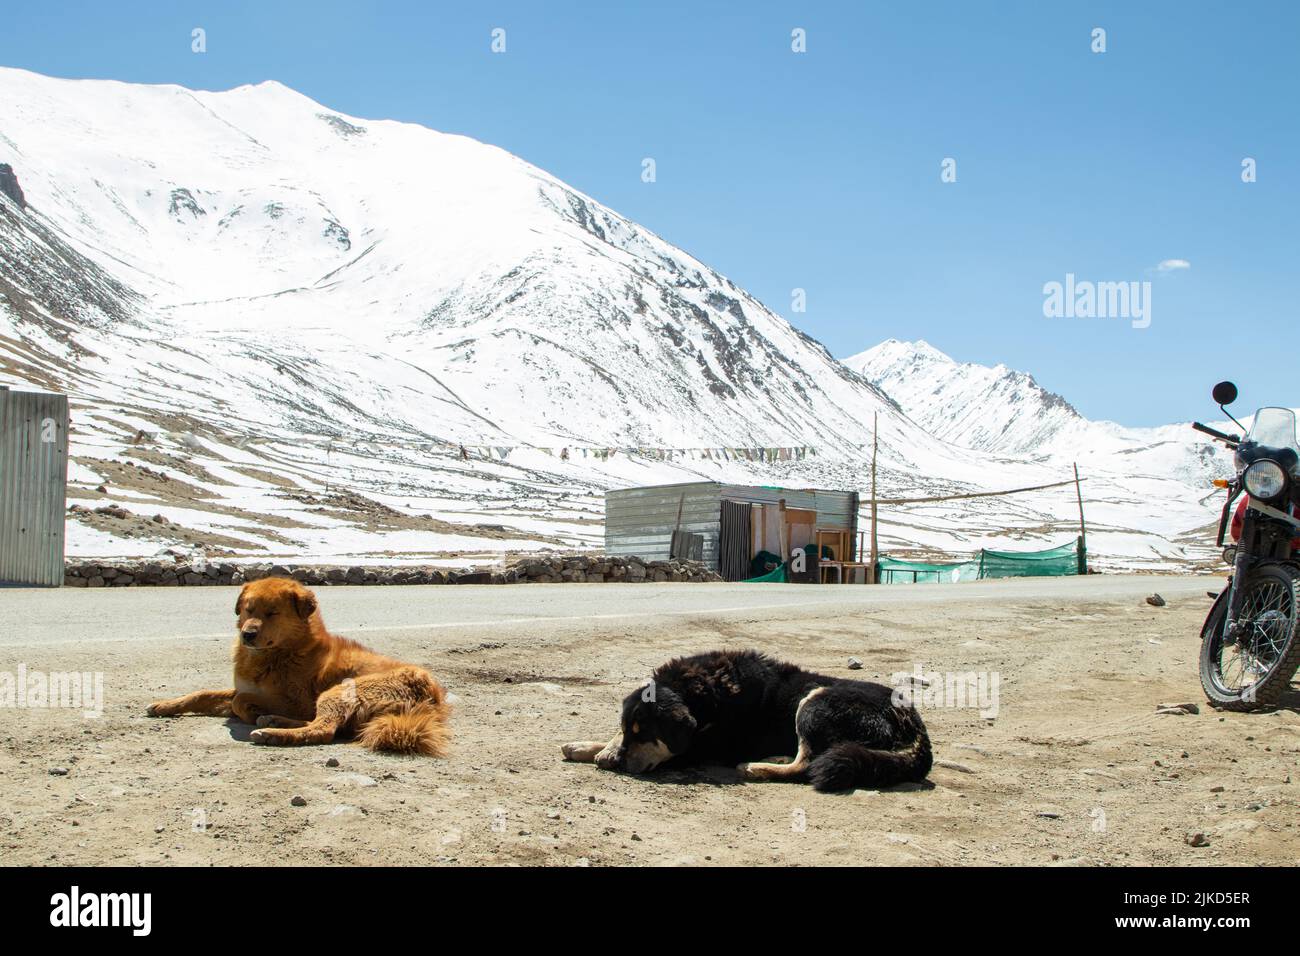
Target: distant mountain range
988,409
298,317
1007,413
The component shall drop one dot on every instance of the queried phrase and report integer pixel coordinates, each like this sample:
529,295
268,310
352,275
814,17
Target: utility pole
1083,528
875,544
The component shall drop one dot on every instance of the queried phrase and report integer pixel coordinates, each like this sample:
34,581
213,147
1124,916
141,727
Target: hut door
734,545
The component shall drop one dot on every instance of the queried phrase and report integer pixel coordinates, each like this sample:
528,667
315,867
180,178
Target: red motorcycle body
1239,520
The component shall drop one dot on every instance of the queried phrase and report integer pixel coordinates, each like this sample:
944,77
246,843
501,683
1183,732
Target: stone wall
542,568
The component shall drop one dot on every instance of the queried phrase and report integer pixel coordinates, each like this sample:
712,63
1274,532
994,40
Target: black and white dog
734,706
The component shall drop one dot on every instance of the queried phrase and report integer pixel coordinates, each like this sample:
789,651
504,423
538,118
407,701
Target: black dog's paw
582,751
611,758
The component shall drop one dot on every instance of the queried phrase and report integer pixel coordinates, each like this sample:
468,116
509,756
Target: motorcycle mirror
1225,393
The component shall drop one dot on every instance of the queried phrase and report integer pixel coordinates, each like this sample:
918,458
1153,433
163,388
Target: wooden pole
875,543
781,532
677,530
1083,527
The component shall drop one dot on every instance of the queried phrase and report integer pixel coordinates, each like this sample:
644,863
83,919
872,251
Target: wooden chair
847,571
838,542
854,572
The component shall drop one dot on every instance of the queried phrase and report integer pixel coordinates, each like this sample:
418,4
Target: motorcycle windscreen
1274,428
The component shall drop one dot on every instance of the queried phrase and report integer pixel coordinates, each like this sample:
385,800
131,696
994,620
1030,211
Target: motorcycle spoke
1238,659
1267,620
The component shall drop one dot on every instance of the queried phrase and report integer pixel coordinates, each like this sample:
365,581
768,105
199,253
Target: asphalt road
67,616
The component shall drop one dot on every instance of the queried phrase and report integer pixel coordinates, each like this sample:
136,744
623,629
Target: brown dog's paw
272,720
246,714
159,709
263,737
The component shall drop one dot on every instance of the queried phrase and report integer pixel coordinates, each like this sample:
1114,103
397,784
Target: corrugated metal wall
837,510
33,487
804,498
640,521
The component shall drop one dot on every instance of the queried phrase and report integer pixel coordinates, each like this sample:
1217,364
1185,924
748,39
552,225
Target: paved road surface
35,617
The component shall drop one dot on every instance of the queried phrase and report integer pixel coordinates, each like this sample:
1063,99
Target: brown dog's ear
304,602
239,601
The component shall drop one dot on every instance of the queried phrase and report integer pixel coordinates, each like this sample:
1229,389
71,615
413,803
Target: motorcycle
1250,647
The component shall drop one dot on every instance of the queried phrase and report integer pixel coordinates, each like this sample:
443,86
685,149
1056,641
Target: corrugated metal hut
733,523
33,487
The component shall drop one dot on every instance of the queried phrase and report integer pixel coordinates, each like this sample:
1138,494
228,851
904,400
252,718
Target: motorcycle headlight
1265,479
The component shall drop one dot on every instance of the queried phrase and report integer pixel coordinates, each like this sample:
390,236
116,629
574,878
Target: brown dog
302,685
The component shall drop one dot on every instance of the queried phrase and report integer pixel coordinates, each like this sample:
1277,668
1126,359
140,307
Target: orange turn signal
1221,482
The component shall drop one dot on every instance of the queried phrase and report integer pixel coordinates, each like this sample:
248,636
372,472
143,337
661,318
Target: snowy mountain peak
994,409
419,283
895,354
924,350
1005,412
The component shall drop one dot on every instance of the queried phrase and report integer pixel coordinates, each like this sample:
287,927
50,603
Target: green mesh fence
1067,559
917,572
775,576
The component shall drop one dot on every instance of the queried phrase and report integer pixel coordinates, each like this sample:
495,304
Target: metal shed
33,487
641,521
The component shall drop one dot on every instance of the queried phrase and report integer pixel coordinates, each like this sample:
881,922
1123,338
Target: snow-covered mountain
990,409
337,263
1007,413
278,324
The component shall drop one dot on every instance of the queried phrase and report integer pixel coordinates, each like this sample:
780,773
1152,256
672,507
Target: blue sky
821,170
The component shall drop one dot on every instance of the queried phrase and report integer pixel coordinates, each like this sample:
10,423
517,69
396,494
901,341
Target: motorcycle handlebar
1215,433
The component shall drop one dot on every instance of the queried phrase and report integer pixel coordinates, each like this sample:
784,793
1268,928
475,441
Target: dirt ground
1076,767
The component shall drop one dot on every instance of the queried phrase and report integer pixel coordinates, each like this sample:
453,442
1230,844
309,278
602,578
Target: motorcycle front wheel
1255,670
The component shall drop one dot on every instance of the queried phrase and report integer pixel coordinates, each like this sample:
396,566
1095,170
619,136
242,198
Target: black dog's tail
847,764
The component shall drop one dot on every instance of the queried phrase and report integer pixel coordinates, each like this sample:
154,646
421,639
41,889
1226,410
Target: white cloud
1169,265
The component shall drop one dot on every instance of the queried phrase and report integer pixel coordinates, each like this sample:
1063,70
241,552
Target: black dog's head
657,725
